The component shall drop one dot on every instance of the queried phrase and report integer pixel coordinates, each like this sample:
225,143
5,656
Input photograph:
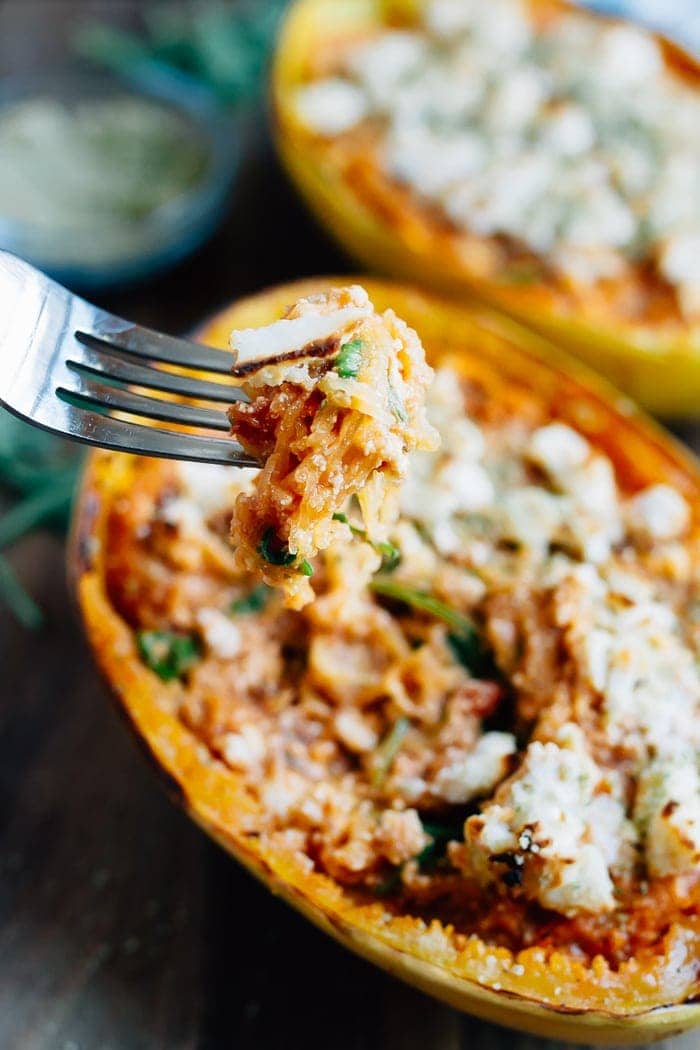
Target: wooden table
121,926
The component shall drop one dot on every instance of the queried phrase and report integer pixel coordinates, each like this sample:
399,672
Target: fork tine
40,355
106,366
90,428
90,394
111,333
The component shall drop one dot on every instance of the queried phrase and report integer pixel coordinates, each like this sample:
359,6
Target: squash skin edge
208,792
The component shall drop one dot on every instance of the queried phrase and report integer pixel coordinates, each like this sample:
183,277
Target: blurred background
136,166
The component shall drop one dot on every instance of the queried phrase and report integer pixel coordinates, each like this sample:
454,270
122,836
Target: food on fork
337,396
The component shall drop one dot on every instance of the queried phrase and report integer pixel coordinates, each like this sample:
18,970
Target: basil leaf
253,602
349,359
306,568
167,653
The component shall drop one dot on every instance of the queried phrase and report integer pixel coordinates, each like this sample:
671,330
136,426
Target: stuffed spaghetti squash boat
540,157
472,756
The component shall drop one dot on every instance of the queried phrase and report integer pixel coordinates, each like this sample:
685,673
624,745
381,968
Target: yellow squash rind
659,366
555,996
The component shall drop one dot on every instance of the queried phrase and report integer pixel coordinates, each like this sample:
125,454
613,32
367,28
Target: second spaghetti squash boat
533,154
474,760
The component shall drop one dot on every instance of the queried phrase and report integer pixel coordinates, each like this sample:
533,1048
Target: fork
77,371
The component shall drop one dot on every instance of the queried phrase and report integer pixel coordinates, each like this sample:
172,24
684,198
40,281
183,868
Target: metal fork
77,371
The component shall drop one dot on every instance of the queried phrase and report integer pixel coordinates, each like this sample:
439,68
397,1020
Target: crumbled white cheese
410,788
633,654
245,749
430,162
448,18
558,449
531,516
478,772
330,107
543,820
498,29
184,515
629,57
516,99
443,485
221,635
657,513
679,262
290,335
569,132
667,811
282,792
381,65
400,835
209,488
572,137
594,524
354,730
580,883
469,485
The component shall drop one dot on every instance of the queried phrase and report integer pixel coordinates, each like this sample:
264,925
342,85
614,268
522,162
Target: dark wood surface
121,926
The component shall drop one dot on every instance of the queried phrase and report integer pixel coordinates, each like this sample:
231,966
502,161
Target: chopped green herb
470,651
422,601
168,654
253,602
396,405
387,750
521,273
220,46
354,529
463,639
428,857
390,885
391,555
274,552
441,834
306,568
349,360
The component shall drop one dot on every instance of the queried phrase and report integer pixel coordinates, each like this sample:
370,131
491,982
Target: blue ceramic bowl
165,235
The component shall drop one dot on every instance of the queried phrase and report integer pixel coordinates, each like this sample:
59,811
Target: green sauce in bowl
106,184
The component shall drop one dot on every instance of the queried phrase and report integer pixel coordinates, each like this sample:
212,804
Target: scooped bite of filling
484,710
336,404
